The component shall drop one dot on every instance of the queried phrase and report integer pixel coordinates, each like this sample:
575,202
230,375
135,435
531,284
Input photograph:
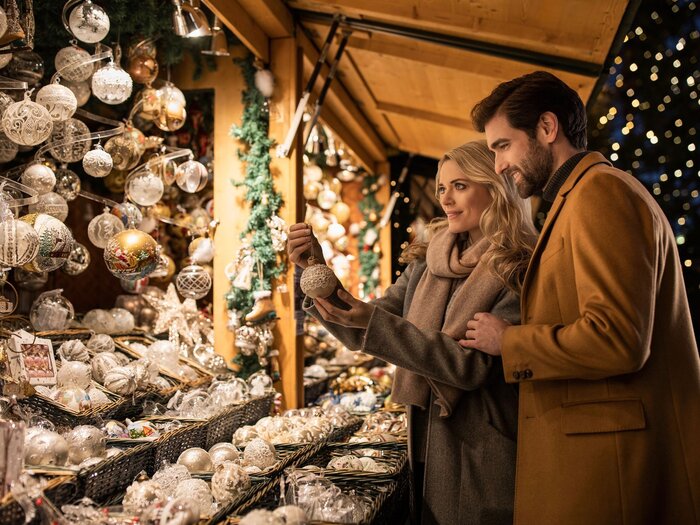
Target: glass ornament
19,243
45,447
142,68
103,227
326,199
78,260
194,493
201,250
32,281
164,271
193,282
67,183
58,100
72,63
8,149
81,90
144,187
97,162
51,204
74,373
191,176
341,211
312,172
135,287
123,320
55,242
5,101
126,149
131,254
85,441
51,311
89,22
69,141
172,114
111,84
26,66
115,181
260,384
27,123
149,99
128,213
199,221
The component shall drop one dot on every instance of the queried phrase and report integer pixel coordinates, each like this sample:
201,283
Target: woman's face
462,200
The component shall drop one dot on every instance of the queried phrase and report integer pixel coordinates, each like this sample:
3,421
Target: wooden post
383,195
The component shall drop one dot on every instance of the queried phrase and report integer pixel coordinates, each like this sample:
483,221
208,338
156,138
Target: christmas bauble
55,242
101,343
74,373
196,460
261,517
313,172
88,22
319,223
67,183
72,64
201,250
78,260
97,162
159,209
142,494
58,100
98,320
121,380
200,220
81,90
342,243
72,397
102,228
341,211
260,453
45,447
229,481
335,231
197,491
32,281
51,204
131,254
224,452
193,282
144,187
70,140
26,66
85,441
27,123
111,84
102,363
19,243
123,320
128,213
291,515
326,199
51,311
191,176
5,102
318,280
135,287
115,181
311,190
98,397
149,99
164,271
126,149
74,350
172,113
143,68
170,476
8,149
39,177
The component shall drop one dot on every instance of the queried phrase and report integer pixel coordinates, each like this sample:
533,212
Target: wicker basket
59,490
342,434
170,445
222,426
256,409
394,458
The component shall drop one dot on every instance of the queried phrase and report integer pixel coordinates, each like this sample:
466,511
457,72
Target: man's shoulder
605,182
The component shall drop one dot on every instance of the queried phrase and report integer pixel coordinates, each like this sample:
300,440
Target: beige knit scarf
435,306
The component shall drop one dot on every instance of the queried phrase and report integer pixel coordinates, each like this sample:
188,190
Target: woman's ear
548,126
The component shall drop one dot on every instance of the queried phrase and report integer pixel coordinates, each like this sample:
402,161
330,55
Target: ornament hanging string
33,195
11,83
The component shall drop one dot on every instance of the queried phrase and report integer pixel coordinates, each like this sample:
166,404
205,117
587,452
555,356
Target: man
606,358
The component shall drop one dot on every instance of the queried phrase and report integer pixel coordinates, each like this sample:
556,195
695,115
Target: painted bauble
8,149
196,460
81,90
198,492
74,373
172,113
74,350
69,141
27,123
19,243
131,254
101,343
39,177
51,204
326,199
55,242
318,280
121,380
85,441
58,100
97,162
72,397
111,84
89,22
335,232
67,183
102,228
193,282
224,452
26,66
142,68
72,64
78,260
191,176
229,481
341,211
134,287
45,447
144,187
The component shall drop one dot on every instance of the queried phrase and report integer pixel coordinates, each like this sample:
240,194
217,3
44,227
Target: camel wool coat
470,456
607,362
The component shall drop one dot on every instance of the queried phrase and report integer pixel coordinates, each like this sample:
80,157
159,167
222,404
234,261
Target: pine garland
369,258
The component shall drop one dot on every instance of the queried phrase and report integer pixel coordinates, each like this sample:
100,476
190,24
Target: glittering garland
264,200
369,237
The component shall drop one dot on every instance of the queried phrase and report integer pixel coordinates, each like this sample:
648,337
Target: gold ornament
159,210
164,271
336,186
126,149
150,104
131,254
326,199
342,243
341,211
142,68
319,223
317,280
372,217
311,190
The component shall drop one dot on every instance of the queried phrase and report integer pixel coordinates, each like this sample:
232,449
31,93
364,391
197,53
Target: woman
462,414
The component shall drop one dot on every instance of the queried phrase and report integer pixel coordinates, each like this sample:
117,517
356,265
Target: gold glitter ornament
126,149
131,254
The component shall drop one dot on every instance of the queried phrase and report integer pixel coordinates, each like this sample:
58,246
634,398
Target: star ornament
171,313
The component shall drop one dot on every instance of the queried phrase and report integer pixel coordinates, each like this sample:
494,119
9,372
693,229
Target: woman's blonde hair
506,222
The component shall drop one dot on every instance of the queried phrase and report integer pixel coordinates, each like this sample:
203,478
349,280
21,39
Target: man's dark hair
523,99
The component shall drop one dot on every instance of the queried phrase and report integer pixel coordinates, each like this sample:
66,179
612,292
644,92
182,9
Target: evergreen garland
369,258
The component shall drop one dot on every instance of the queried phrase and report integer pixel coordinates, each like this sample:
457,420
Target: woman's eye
441,190
460,186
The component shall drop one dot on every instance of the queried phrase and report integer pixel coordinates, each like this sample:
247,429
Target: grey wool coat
469,457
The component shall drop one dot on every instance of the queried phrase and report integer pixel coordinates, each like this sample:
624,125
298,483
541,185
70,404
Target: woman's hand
357,316
302,245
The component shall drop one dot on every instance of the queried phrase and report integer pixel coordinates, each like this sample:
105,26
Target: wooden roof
413,69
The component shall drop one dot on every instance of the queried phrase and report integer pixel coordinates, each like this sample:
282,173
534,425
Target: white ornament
70,140
88,22
121,380
101,343
335,231
142,494
229,481
27,123
81,90
191,176
111,84
58,100
196,460
74,350
72,64
103,227
97,162
198,492
74,373
8,149
51,204
265,82
19,243
193,282
55,242
45,447
85,441
144,187
39,177
260,453
103,363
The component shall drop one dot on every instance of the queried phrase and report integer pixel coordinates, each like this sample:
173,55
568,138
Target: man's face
518,155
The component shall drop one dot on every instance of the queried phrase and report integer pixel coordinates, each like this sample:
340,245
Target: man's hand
302,244
357,316
485,333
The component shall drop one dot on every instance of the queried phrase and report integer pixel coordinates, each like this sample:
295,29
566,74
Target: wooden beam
395,109
237,19
383,196
272,16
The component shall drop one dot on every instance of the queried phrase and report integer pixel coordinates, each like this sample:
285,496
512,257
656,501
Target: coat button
516,375
527,373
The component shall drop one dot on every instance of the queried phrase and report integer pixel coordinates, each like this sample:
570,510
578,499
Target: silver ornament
97,162
72,64
27,123
197,491
102,228
45,447
142,494
74,350
39,177
101,343
78,260
58,100
89,22
193,282
260,453
196,460
74,373
170,476
67,184
229,481
103,363
223,452
70,140
111,84
51,204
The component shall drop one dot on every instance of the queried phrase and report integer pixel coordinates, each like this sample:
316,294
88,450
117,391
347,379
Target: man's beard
535,170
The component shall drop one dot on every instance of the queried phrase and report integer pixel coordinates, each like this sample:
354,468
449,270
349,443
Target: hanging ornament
134,287
32,281
5,101
193,282
341,211
73,64
128,213
8,149
142,68
78,260
317,280
55,242
172,114
326,199
103,227
342,243
19,243
335,231
115,181
126,149
27,123
319,223
131,254
149,100
312,172
144,187
81,90
58,100
265,82
312,189
88,22
111,84
67,183
69,141
97,162
52,311
191,176
39,177
51,204
164,271
201,250
26,66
